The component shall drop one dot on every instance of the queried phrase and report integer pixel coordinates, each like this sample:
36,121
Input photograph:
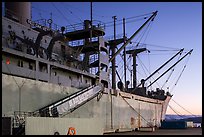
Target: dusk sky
177,25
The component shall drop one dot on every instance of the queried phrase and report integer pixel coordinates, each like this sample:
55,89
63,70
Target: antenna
91,14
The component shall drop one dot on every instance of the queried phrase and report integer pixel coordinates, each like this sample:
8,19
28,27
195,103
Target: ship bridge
73,32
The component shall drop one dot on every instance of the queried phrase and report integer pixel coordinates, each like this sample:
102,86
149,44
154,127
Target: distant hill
195,119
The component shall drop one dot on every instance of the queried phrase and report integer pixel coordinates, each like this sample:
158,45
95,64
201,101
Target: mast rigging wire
183,108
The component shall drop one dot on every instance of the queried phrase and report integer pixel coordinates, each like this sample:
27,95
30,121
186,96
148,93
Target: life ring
71,131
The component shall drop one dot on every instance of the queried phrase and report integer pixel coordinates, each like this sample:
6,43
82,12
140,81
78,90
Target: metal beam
128,41
171,67
162,66
125,79
113,60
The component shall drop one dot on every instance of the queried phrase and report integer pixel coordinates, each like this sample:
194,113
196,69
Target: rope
63,15
170,73
175,111
180,74
142,35
147,71
135,111
183,108
71,12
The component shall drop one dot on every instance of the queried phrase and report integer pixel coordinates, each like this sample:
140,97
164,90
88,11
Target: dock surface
188,131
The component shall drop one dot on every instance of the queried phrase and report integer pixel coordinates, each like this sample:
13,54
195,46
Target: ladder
70,103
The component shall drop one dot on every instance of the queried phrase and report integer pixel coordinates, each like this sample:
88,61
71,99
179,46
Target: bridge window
55,73
20,63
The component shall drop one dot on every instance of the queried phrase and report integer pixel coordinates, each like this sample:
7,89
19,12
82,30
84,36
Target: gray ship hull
114,110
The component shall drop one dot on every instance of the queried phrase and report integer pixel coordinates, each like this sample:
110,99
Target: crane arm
128,41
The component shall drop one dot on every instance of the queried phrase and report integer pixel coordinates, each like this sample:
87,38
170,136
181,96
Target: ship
62,81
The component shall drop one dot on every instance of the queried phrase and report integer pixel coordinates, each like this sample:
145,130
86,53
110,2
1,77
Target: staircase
69,103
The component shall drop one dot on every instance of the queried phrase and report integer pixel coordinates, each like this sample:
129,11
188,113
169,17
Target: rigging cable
180,74
135,110
145,31
175,111
63,15
170,73
71,12
147,71
126,22
142,35
183,108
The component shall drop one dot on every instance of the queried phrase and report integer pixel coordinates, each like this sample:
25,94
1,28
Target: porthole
9,26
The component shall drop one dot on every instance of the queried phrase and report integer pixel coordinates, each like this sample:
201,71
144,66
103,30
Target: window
55,73
30,66
20,63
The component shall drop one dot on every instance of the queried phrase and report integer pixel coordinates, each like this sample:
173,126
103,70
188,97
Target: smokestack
18,11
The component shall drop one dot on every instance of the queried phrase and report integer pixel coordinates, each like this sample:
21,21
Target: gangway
70,103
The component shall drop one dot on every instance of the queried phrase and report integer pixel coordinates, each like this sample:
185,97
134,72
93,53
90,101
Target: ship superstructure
61,77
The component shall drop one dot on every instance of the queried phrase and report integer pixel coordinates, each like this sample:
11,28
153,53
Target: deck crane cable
111,22
169,67
159,50
173,49
142,35
71,12
145,30
175,111
170,73
136,32
149,71
135,111
148,49
127,67
183,108
148,52
126,22
83,11
63,15
180,74
143,66
154,45
119,22
148,31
